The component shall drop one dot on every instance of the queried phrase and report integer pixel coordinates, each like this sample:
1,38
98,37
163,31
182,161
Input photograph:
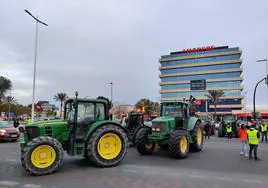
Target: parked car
7,132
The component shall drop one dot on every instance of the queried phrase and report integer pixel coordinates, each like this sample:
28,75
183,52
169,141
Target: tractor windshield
69,114
172,110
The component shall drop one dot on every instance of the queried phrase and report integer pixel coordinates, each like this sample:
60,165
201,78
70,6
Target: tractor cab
81,114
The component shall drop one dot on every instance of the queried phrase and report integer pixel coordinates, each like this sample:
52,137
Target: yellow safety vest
252,137
263,128
229,129
29,121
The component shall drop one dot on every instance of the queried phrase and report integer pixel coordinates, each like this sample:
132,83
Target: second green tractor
177,129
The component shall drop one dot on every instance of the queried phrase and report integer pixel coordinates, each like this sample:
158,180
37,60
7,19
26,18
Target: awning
244,115
264,114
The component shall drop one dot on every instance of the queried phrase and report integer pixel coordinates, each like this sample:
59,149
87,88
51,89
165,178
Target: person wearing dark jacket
207,131
253,140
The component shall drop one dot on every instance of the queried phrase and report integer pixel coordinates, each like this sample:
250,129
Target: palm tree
62,97
214,96
5,85
10,100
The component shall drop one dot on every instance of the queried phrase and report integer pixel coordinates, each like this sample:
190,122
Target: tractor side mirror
21,129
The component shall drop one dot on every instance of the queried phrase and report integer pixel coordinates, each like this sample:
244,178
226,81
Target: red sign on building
198,102
199,49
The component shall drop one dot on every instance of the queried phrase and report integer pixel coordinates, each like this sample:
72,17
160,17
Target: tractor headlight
2,132
158,127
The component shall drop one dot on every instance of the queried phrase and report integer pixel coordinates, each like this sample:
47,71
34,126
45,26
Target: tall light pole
111,113
111,83
266,73
35,57
245,105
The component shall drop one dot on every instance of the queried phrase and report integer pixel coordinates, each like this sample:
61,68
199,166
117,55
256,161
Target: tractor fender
191,123
98,124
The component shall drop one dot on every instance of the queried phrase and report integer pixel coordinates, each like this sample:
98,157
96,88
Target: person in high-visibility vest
263,130
253,141
229,130
29,121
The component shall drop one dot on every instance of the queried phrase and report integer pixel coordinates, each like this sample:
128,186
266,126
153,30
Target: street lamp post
111,113
35,57
266,68
254,96
245,105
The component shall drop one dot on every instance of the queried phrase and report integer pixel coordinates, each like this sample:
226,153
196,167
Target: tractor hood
163,119
49,122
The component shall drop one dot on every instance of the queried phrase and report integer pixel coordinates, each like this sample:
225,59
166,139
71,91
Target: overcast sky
89,44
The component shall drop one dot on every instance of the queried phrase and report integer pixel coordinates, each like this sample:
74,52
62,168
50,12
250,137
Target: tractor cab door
87,114
185,115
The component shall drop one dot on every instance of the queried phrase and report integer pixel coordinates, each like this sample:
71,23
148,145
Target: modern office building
195,71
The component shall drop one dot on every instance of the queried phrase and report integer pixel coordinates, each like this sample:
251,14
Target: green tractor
177,130
85,131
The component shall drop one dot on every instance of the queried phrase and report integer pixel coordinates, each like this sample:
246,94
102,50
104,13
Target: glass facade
230,87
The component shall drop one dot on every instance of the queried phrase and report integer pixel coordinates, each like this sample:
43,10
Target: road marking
32,186
128,170
252,181
9,183
198,176
10,160
225,178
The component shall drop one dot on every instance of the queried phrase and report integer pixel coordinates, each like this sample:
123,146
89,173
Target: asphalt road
219,165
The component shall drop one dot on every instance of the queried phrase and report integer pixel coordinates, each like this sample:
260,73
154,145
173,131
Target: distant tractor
177,130
85,131
223,121
134,123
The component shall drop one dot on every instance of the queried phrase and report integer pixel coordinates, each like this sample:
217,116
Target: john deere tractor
177,129
85,131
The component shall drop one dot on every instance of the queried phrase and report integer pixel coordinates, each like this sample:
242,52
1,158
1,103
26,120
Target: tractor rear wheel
163,146
220,132
179,144
107,146
141,142
43,155
198,138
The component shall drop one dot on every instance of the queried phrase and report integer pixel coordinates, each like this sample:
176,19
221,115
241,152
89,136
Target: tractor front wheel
197,136
141,142
107,146
43,155
179,144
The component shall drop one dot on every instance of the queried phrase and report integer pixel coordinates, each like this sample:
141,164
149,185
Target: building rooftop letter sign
199,49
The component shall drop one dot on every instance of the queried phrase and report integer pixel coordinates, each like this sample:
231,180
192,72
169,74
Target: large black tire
220,132
177,138
197,145
27,153
142,141
163,146
93,143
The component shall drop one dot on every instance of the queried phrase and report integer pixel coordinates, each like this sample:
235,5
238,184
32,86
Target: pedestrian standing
229,131
243,137
253,140
263,130
206,128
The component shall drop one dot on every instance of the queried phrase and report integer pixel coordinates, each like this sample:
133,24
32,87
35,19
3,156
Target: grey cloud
88,44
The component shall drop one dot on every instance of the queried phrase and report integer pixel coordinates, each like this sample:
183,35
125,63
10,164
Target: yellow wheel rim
43,156
183,144
199,136
148,146
109,146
